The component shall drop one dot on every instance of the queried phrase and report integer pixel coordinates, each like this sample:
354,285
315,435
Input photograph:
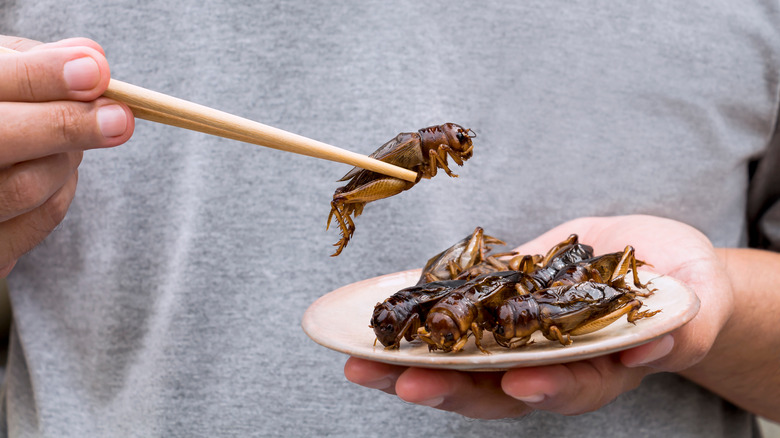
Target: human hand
51,111
673,248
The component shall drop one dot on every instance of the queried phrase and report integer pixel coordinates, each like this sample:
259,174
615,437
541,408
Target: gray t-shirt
169,301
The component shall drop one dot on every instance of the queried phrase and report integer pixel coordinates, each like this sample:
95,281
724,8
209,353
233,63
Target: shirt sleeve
764,199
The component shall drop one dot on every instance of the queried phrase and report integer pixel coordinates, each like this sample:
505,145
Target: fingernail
661,349
81,74
433,402
112,120
379,384
534,398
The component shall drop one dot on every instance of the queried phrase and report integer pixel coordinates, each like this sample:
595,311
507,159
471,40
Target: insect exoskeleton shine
465,291
424,152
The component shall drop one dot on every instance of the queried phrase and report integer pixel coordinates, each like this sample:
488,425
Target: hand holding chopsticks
161,108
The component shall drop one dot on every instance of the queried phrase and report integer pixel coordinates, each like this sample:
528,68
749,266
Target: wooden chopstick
161,108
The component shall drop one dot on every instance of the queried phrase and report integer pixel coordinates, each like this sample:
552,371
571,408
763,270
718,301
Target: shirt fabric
169,300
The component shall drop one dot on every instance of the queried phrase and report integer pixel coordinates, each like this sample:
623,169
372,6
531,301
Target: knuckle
25,79
29,230
56,208
18,43
75,158
67,121
54,212
42,220
20,193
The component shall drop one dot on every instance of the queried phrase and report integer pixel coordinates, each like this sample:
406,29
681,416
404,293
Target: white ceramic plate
339,321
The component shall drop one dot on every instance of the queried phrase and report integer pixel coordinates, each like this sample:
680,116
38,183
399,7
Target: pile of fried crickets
465,290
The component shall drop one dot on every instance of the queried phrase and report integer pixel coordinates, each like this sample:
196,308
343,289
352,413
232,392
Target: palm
671,248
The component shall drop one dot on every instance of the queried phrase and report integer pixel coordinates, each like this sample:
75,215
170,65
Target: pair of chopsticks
161,108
